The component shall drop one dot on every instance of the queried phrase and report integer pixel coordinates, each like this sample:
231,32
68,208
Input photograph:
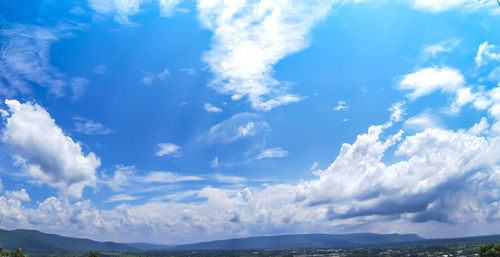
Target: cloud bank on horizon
121,143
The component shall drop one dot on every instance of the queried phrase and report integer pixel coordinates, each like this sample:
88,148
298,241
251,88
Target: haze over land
176,121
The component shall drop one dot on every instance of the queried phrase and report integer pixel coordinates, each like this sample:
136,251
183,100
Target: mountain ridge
36,241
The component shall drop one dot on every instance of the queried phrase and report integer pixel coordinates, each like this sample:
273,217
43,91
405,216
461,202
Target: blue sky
176,121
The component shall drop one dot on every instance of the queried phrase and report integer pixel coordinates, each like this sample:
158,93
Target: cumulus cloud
397,111
443,177
239,126
342,105
168,149
210,108
276,152
485,53
249,38
428,80
4,113
20,195
89,127
441,168
43,152
25,59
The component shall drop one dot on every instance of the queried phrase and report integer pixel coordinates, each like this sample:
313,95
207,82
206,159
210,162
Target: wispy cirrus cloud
121,10
89,127
25,60
121,198
239,126
444,46
129,177
275,152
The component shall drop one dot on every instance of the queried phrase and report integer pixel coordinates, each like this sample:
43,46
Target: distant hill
304,241
36,241
150,247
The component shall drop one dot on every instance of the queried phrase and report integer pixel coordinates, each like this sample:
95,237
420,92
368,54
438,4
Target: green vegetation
93,254
491,250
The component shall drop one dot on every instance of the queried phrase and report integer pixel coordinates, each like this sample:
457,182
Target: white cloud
436,6
165,177
249,38
397,111
445,179
342,105
126,176
100,69
42,150
164,74
314,166
484,54
444,46
20,195
228,179
463,96
210,108
168,149
147,79
25,59
215,162
4,113
239,126
168,7
89,127
122,9
121,198
78,86
428,80
421,122
276,152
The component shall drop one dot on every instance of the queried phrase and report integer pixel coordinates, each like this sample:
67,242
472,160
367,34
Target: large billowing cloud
45,153
444,177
